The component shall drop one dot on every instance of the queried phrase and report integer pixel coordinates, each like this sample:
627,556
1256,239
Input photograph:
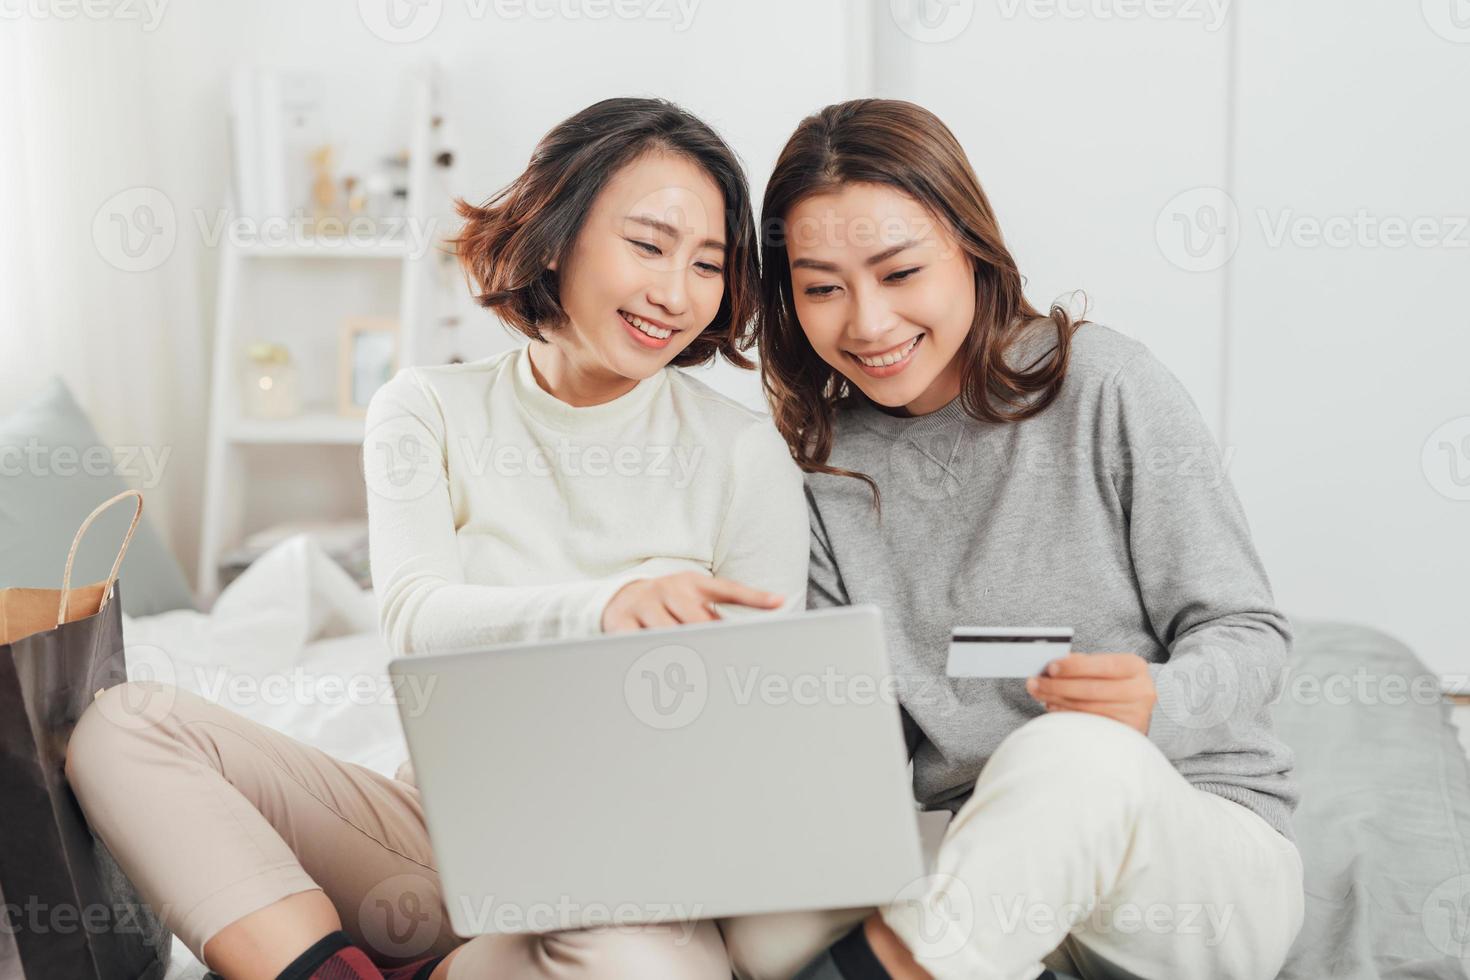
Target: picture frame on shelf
368,355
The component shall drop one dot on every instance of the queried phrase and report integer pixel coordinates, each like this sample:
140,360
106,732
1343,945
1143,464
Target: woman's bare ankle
260,945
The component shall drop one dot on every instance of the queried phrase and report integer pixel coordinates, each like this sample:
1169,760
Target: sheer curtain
118,321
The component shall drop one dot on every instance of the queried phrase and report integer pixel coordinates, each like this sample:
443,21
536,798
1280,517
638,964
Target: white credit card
1005,651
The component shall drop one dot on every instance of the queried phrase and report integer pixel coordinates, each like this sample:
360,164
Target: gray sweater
1108,512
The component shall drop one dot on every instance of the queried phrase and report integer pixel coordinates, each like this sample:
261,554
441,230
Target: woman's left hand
1115,685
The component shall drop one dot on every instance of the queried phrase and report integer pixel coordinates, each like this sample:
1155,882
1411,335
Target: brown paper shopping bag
69,912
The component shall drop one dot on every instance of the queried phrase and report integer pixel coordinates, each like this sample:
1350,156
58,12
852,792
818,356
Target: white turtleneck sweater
498,513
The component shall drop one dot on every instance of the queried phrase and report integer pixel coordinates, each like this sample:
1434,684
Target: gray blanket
1384,823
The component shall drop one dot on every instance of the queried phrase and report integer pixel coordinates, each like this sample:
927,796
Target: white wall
1345,359
1080,130
1103,140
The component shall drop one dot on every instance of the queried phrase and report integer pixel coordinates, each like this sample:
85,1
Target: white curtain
121,325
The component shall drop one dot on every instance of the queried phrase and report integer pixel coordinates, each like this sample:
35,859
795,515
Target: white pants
1084,850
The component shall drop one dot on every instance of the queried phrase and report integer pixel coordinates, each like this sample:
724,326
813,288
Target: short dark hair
506,244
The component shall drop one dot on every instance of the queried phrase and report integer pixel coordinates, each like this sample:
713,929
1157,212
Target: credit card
1008,651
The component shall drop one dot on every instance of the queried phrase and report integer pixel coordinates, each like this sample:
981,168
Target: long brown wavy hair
507,243
904,146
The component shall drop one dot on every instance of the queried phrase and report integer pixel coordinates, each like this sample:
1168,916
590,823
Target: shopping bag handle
76,541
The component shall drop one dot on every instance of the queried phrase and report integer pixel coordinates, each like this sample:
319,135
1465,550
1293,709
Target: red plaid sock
333,957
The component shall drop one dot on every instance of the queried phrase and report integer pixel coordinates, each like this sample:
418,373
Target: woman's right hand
684,597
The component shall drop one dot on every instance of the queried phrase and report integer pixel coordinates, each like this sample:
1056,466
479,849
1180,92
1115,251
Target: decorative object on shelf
368,203
323,192
356,198
367,358
377,192
270,387
444,143
396,173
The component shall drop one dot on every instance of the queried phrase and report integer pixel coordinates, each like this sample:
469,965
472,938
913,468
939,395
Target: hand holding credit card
1013,651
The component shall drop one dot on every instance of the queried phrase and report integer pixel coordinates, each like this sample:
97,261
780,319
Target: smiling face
644,276
883,292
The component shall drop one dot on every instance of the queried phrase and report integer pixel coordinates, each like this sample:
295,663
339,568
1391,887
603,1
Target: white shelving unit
234,440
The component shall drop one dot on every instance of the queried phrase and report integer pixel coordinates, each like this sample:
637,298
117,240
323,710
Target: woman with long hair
972,461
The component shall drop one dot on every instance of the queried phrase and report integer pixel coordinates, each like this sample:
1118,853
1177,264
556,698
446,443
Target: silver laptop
744,766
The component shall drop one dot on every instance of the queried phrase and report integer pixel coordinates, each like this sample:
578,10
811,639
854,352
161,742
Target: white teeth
647,328
891,358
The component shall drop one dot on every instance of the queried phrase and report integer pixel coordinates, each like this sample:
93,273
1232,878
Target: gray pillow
54,470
